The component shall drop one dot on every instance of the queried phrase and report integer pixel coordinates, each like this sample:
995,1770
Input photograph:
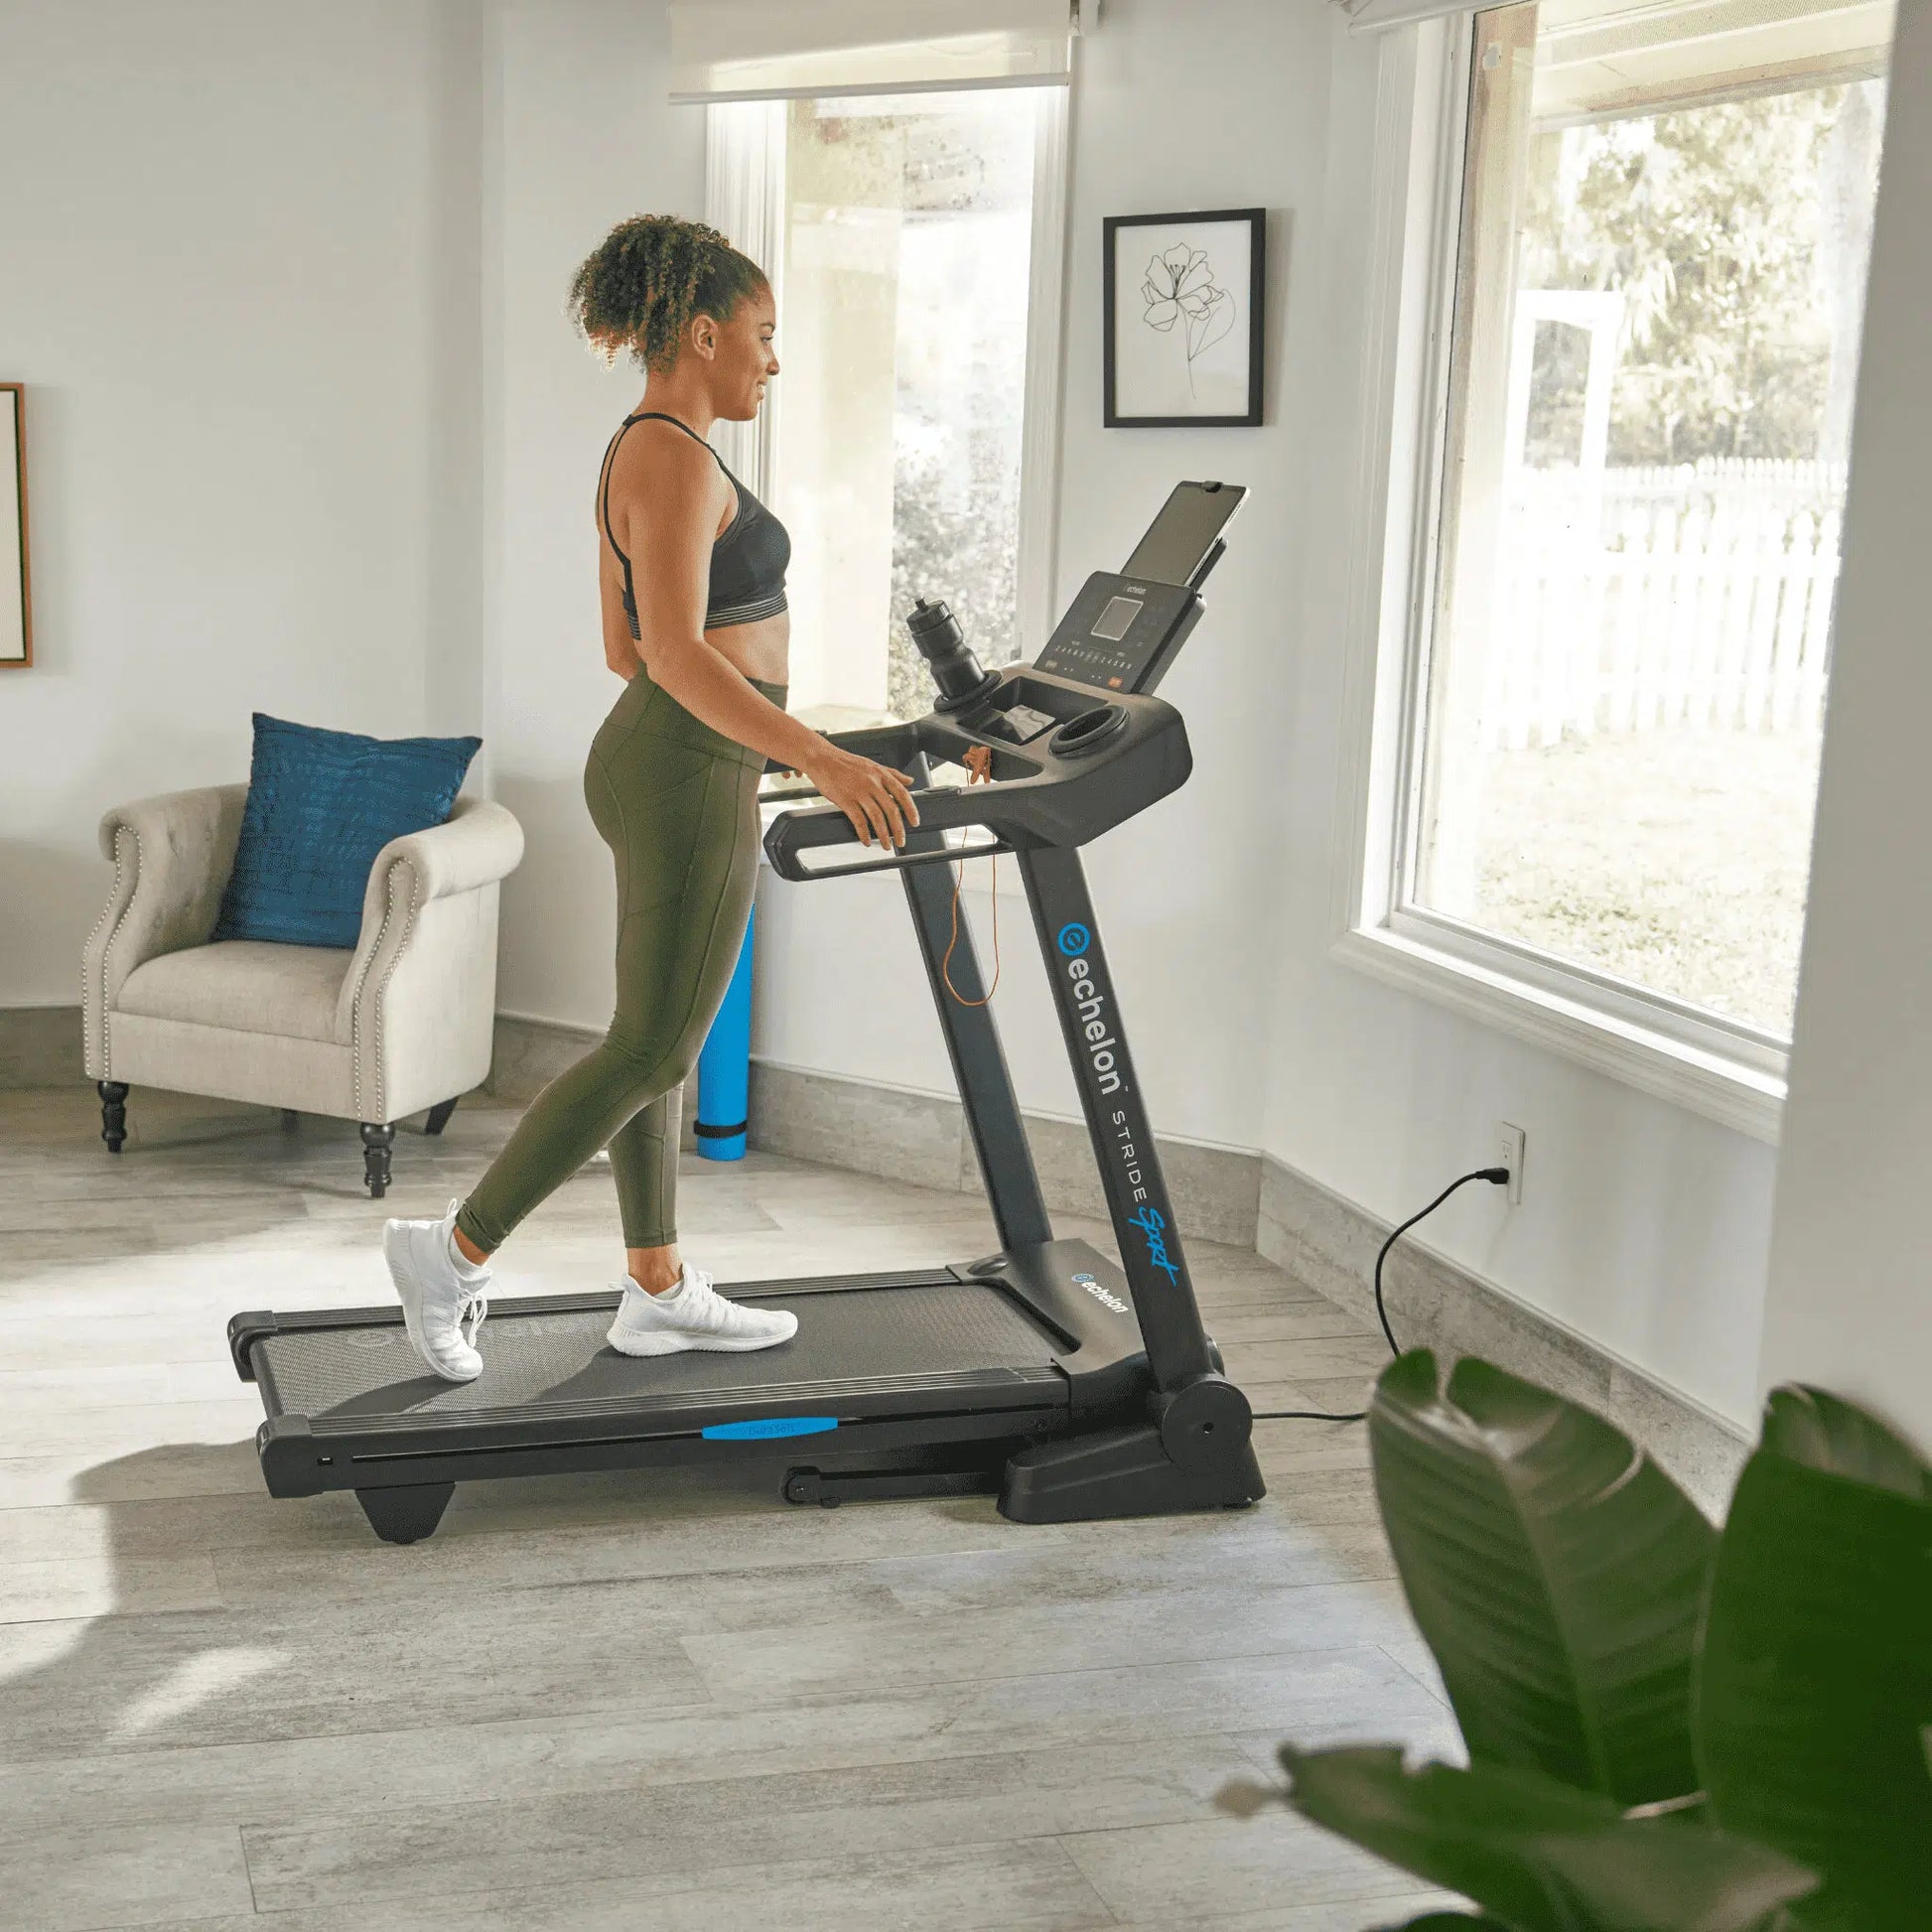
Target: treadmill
1071,1386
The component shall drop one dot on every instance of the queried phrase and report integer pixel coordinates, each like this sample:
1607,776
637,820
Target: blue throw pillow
321,806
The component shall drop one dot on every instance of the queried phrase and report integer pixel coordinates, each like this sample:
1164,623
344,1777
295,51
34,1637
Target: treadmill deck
861,1341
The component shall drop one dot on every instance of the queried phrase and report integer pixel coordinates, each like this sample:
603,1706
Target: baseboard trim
1329,1244
906,1134
41,1046
526,1054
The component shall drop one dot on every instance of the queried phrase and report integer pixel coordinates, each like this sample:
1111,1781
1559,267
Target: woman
691,572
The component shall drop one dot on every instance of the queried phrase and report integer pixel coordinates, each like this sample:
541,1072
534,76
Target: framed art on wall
16,611
1182,296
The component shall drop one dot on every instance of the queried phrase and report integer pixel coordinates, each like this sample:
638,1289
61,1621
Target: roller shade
1610,51
1377,16
1597,62
776,50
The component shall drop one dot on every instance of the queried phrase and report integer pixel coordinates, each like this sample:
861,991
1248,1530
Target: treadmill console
1059,750
1120,633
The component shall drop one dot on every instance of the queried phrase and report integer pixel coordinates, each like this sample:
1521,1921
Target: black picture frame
1184,228
16,586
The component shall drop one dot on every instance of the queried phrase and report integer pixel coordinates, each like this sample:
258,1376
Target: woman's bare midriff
760,650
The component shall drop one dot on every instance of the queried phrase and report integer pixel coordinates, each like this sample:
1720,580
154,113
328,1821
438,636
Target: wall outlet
1511,1142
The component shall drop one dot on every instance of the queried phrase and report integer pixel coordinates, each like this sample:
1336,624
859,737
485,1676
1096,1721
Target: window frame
744,192
1725,1070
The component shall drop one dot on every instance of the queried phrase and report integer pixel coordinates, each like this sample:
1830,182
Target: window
903,228
1617,680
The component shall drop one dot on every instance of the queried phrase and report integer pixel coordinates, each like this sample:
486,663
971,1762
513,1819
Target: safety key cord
979,767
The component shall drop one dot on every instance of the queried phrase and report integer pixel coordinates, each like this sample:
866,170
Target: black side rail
893,745
793,833
1065,789
902,748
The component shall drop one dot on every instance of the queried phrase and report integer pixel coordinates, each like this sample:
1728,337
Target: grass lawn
1678,858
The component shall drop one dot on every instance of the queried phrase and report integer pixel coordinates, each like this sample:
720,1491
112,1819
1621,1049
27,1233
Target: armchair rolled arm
172,858
410,907
479,843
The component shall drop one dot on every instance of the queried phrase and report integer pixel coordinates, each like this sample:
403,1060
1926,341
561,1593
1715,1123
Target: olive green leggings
677,804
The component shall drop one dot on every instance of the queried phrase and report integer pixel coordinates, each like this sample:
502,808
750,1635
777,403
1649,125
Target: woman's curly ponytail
648,277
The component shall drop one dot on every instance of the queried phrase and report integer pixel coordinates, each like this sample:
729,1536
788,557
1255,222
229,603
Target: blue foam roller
725,1065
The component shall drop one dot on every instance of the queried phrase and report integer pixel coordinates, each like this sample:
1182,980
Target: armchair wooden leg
113,1112
377,1139
439,1116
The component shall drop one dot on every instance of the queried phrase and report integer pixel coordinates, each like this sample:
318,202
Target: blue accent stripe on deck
742,1432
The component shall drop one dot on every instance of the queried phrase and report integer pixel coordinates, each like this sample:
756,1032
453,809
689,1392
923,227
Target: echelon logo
1074,941
1104,1295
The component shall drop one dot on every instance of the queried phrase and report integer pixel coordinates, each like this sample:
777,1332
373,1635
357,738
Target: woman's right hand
874,797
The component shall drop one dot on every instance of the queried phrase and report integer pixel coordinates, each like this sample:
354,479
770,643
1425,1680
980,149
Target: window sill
1746,1098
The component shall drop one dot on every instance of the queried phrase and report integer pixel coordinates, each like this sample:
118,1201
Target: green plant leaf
1538,1855
1555,1571
1814,1682
1823,1432
1450,1922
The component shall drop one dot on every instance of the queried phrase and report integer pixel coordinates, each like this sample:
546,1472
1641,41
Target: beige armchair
372,1034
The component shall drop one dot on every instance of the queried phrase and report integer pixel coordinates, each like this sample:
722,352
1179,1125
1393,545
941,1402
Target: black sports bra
748,563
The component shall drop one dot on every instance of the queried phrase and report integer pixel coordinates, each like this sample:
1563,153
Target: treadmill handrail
893,745
1037,797
941,808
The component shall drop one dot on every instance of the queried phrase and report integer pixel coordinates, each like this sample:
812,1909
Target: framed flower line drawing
1184,296
15,613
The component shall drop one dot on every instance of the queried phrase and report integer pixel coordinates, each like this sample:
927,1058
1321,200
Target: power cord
1497,1178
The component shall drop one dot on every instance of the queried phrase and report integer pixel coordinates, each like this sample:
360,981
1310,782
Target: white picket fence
1627,610
1722,480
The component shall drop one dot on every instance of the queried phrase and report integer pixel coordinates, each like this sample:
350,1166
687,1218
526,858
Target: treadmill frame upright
1192,1450
1131,1176
973,1044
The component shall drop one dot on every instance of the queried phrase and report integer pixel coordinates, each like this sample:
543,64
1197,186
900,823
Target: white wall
308,430
223,276
1848,1305
1212,105
584,137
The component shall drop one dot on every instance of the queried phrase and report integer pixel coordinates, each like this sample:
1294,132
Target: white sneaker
437,1301
693,1315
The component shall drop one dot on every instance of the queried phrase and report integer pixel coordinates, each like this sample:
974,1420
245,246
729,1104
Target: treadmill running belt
931,1329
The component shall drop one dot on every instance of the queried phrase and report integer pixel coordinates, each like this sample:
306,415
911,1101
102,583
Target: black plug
1496,1177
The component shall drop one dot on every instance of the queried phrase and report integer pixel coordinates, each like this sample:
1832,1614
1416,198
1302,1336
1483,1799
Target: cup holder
1088,731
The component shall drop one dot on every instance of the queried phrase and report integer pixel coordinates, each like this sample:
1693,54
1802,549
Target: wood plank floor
640,1702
